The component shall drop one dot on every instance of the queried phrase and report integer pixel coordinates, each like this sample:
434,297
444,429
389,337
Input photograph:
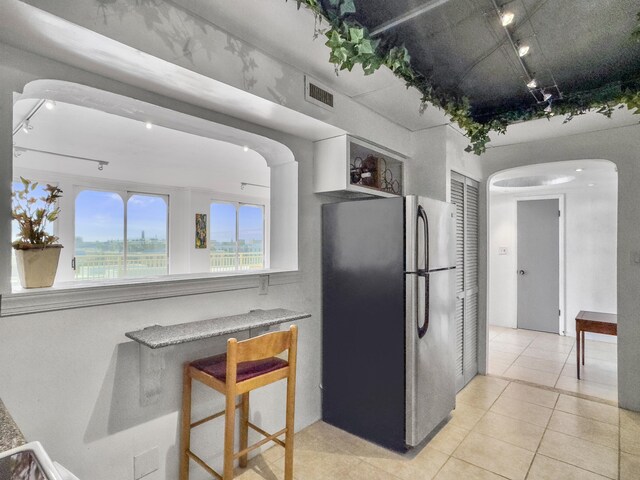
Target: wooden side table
594,322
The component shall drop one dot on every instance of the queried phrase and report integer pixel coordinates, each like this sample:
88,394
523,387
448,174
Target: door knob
521,272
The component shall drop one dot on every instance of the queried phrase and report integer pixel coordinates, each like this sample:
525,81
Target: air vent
317,93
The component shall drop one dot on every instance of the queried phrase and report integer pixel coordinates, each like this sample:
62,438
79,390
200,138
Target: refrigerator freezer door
442,238
430,374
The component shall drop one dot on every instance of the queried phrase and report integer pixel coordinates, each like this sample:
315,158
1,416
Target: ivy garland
350,44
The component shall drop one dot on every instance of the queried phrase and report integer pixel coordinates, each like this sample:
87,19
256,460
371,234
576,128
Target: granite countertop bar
158,336
10,434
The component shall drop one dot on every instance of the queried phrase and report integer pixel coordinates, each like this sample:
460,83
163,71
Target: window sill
89,294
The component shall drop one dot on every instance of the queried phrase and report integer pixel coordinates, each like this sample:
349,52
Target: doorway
544,269
538,259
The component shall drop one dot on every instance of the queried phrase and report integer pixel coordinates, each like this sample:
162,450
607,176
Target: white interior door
465,196
539,265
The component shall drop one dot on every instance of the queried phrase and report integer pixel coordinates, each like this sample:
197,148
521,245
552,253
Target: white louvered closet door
465,196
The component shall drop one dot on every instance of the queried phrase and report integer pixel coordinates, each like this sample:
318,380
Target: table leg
578,334
583,344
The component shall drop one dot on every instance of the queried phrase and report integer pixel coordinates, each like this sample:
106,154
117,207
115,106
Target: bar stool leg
185,435
229,428
244,428
288,449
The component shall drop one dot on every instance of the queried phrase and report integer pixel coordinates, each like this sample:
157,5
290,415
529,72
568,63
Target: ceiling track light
50,104
533,83
506,18
523,50
548,108
27,127
546,96
149,125
245,148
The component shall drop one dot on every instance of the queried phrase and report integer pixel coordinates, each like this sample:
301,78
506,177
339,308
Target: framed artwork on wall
201,230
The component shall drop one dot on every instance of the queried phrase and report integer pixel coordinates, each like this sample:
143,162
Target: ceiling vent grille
317,93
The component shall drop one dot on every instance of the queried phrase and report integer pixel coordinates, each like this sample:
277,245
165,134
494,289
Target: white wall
590,218
71,378
620,146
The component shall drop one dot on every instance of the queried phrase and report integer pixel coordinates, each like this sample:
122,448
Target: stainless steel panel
442,245
411,332
411,213
430,361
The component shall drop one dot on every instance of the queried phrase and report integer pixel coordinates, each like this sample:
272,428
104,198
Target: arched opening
167,171
552,252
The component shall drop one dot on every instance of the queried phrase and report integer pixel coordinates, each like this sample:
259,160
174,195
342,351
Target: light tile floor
500,429
550,360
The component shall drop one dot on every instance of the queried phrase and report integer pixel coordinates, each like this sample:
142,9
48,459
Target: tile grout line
542,437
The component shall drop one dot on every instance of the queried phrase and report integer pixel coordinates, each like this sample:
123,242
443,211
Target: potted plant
37,252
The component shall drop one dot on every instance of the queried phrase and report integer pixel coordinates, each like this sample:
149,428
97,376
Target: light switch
502,250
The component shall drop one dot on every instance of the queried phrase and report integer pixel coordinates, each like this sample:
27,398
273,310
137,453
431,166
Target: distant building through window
102,248
237,237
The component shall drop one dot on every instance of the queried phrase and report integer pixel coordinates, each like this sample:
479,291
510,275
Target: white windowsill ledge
89,294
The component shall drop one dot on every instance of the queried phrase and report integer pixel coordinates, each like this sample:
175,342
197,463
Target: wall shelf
351,167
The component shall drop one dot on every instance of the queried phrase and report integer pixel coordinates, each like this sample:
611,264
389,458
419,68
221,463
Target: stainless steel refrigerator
388,311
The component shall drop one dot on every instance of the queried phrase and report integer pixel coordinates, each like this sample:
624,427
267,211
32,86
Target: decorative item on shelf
201,230
37,253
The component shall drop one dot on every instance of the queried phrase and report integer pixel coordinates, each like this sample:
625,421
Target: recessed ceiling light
149,125
533,83
579,169
506,18
27,127
591,185
245,148
50,104
523,50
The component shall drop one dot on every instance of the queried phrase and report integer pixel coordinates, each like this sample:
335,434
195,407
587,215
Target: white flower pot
37,265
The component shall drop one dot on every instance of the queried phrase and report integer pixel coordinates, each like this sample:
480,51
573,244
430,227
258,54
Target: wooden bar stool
247,365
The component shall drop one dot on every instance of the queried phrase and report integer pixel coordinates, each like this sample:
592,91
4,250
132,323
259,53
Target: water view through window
101,251
237,237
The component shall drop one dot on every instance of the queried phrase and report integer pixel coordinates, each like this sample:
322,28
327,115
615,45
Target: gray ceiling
461,46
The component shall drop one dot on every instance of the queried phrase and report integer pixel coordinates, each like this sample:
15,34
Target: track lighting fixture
50,104
548,108
523,50
533,83
546,96
506,18
26,126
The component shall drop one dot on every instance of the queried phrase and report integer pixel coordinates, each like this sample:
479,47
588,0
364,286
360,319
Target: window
102,248
237,237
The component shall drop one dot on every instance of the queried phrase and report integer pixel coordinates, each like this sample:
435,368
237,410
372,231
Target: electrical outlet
502,250
146,463
263,286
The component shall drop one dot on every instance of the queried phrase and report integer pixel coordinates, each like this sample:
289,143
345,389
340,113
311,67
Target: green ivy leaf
356,35
346,7
365,47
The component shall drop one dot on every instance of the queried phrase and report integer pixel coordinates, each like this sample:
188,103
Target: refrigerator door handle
422,215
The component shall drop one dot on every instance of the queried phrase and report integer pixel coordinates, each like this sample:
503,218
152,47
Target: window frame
237,204
125,194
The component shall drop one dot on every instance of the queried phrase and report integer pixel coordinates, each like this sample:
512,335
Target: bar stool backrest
259,348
